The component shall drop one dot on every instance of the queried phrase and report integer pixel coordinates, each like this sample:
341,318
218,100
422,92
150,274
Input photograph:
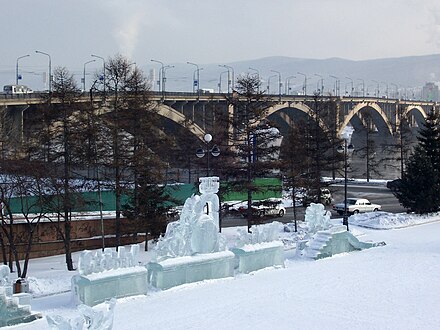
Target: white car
356,205
264,208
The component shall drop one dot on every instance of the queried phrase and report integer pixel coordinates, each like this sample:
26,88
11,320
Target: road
374,193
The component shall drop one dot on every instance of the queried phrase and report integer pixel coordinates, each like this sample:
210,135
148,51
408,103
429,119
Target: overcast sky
212,31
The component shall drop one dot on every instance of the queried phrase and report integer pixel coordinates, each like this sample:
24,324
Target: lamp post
377,88
231,82
363,87
305,83
196,82
279,83
288,84
84,74
337,87
161,74
16,69
352,88
103,71
258,77
50,68
220,81
214,151
164,79
346,149
322,84
268,83
396,95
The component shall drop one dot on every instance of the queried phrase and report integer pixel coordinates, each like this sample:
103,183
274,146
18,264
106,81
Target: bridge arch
174,115
297,105
361,106
411,108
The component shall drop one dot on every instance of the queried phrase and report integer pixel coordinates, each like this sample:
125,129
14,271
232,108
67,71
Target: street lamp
17,77
50,68
161,74
322,84
268,83
377,88
352,88
231,82
337,85
346,149
84,74
279,83
363,87
288,84
258,76
164,79
103,70
214,151
220,81
196,82
305,83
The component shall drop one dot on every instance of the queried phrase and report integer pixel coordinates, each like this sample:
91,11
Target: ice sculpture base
15,309
176,271
334,241
96,288
252,257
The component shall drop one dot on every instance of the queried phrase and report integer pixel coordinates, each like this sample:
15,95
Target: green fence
89,201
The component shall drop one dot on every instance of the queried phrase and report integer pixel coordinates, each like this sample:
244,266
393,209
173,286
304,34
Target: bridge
195,109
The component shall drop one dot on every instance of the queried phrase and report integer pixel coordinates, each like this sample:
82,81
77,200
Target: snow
390,287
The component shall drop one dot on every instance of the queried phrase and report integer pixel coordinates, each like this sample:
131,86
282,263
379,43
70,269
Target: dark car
394,185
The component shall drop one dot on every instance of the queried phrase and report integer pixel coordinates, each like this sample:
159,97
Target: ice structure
192,248
317,218
107,275
197,230
90,319
323,239
260,248
14,308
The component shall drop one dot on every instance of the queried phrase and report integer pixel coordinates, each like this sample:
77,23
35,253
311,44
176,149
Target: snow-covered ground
396,286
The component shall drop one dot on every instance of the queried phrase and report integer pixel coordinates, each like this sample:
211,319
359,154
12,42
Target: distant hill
406,72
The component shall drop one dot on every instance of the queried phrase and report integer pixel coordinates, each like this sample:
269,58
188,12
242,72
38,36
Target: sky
395,286
208,31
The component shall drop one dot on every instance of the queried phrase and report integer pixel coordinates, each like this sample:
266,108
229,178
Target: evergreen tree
419,189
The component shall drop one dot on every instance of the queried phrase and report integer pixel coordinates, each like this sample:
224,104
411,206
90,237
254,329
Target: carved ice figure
259,234
197,230
317,218
95,262
91,319
4,275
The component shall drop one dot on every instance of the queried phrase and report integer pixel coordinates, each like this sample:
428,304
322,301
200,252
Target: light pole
377,88
346,149
196,83
103,71
161,72
305,83
258,77
16,69
386,90
231,82
352,88
164,79
279,83
396,96
337,87
363,87
84,74
214,151
50,68
288,84
220,81
322,84
268,83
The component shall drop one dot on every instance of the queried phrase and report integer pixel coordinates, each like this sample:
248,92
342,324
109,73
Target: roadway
377,194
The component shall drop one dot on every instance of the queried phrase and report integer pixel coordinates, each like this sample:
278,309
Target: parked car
356,205
268,207
326,198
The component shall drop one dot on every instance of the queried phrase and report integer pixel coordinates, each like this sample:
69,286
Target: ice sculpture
197,230
14,308
108,275
260,248
91,319
192,248
96,262
317,218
